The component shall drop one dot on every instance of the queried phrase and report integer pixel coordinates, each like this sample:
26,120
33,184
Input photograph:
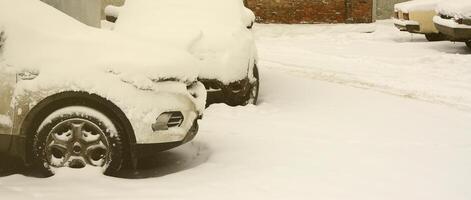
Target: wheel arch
70,98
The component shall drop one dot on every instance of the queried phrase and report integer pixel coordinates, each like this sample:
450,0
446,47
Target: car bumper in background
233,94
407,25
452,30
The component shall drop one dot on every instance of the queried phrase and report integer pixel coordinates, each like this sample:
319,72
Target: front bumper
407,25
144,150
452,30
233,94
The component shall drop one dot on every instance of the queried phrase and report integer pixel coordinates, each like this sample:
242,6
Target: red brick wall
312,11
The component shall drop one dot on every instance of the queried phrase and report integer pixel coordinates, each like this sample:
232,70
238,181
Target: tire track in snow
339,78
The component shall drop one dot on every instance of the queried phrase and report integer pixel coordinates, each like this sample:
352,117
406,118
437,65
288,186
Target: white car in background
216,32
75,96
454,20
417,17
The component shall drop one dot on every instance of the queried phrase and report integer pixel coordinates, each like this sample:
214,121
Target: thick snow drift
455,8
416,5
212,30
50,39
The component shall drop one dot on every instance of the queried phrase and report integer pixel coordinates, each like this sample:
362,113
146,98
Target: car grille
175,120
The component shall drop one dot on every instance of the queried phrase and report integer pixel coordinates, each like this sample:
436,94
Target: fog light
168,120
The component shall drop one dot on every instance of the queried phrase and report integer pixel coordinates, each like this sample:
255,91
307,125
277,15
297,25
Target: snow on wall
417,5
5,121
455,8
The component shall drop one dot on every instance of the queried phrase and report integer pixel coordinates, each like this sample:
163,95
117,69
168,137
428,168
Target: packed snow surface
455,8
416,5
387,60
313,135
214,31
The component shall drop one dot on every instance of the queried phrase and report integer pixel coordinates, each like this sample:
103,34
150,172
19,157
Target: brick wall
312,11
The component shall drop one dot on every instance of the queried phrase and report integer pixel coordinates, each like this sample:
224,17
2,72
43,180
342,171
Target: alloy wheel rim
76,143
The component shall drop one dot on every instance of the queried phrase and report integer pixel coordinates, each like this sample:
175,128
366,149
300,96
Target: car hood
417,5
457,9
52,42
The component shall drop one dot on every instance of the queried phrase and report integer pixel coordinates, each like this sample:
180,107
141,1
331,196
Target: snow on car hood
417,5
212,30
39,38
458,9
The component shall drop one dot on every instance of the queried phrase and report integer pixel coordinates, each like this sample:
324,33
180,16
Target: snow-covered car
74,96
454,20
417,17
217,32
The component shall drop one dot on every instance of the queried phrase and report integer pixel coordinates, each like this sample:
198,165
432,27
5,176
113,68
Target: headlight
405,16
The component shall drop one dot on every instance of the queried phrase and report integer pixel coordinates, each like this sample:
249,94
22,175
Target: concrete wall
86,11
385,8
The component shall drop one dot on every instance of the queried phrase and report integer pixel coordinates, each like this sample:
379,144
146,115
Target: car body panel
454,20
419,20
221,39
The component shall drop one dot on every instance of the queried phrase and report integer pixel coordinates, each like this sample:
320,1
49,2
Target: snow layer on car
50,39
455,8
417,5
449,23
212,30
141,79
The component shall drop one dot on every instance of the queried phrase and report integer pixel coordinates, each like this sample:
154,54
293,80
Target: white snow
5,121
80,111
313,135
387,60
449,23
214,31
416,5
111,10
455,8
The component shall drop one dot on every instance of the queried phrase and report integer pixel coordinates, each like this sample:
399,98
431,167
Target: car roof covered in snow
455,8
39,37
416,5
212,30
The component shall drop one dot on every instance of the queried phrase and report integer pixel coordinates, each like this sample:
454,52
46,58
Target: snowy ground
314,136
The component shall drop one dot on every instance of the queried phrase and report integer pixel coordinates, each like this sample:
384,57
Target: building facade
313,11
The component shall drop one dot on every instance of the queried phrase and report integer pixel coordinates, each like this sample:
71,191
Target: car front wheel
76,137
254,88
468,44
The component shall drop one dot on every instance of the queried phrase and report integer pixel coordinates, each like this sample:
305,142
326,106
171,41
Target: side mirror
249,18
2,40
112,13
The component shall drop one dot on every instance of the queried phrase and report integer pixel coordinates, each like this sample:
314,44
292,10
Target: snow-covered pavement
310,138
387,60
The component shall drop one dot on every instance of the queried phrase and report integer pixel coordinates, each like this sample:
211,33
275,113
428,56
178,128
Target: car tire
468,44
254,88
433,37
76,137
